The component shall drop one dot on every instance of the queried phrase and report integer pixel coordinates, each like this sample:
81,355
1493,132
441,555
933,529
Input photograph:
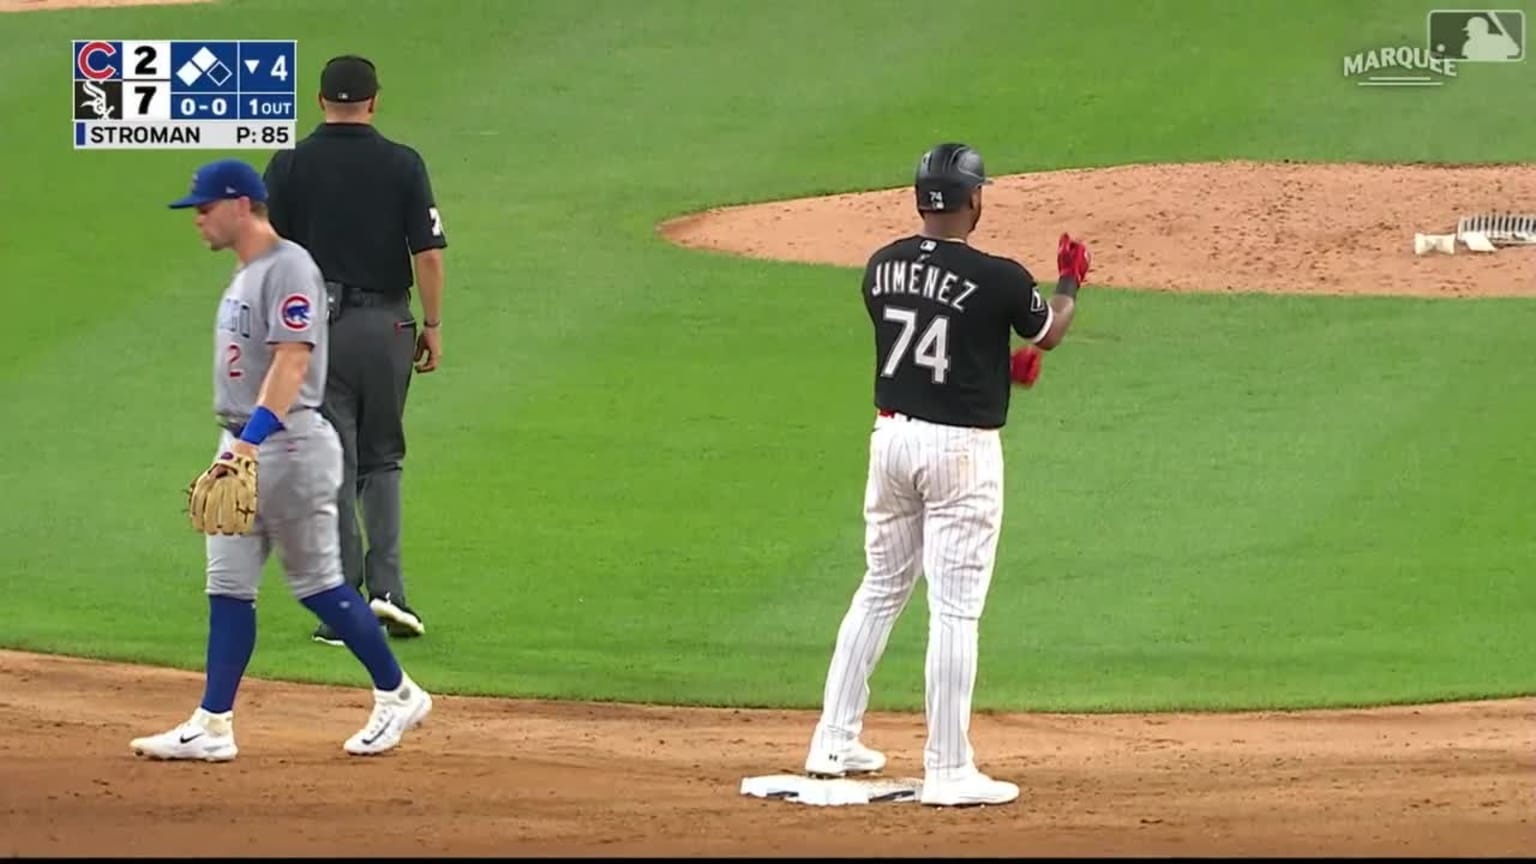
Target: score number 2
932,348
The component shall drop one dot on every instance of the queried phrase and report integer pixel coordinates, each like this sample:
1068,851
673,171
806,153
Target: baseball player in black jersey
942,313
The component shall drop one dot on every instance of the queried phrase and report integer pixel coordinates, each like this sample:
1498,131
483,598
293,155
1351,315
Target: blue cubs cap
226,178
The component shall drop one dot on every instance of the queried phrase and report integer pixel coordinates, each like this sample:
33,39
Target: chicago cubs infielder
275,482
942,313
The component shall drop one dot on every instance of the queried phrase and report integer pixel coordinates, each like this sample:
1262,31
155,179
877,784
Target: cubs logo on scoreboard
184,94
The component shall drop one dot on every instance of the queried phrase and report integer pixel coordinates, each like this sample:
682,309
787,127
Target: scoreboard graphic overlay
184,94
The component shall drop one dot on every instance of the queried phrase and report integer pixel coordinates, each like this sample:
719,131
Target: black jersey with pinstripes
942,313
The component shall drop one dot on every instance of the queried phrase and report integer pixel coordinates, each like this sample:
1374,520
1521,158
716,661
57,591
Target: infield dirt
506,777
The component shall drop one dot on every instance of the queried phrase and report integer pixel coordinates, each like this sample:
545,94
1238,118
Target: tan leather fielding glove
222,500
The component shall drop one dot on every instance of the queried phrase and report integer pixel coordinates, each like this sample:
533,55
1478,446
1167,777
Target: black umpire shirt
942,311
360,203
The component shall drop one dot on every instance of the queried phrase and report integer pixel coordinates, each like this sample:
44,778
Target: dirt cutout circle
1219,227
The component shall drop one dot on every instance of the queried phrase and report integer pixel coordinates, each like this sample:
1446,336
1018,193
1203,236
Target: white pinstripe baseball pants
933,505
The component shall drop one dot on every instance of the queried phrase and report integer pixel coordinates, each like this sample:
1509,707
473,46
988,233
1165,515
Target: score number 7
932,348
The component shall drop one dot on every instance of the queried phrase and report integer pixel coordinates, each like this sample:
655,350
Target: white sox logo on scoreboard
184,94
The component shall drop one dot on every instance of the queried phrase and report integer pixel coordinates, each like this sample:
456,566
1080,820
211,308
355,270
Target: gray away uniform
278,297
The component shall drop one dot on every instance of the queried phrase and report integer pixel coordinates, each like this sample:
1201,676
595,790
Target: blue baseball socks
345,611
231,639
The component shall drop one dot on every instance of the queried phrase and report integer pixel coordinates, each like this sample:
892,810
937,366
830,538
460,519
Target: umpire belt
236,425
352,295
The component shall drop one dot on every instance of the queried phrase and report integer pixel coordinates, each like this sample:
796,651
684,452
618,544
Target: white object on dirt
800,789
1426,243
1477,241
1501,229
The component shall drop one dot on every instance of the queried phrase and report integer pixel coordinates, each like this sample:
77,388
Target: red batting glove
1024,366
1072,258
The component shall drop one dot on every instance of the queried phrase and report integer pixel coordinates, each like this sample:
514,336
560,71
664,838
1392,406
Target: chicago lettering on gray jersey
278,297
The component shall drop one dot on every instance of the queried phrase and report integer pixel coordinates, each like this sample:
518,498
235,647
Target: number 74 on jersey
932,350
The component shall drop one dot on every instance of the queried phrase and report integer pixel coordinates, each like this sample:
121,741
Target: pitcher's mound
1224,226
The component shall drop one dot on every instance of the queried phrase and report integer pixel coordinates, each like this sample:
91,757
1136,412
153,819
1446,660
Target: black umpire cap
349,78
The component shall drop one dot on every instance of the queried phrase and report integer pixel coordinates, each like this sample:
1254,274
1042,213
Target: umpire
363,207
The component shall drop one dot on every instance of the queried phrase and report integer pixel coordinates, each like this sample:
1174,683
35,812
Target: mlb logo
1478,35
297,313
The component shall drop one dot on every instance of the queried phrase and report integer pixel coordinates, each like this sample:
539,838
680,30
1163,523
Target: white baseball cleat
394,713
968,790
851,758
397,617
206,737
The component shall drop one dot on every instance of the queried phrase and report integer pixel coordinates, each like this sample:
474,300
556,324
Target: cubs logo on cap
226,178
297,313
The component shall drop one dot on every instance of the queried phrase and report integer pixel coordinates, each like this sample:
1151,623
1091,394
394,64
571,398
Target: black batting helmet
946,175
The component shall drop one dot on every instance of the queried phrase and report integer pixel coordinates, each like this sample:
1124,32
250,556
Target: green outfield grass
639,474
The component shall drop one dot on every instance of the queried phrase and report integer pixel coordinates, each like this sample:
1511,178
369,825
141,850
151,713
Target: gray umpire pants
372,348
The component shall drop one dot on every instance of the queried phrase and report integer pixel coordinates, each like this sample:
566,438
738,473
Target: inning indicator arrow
251,65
